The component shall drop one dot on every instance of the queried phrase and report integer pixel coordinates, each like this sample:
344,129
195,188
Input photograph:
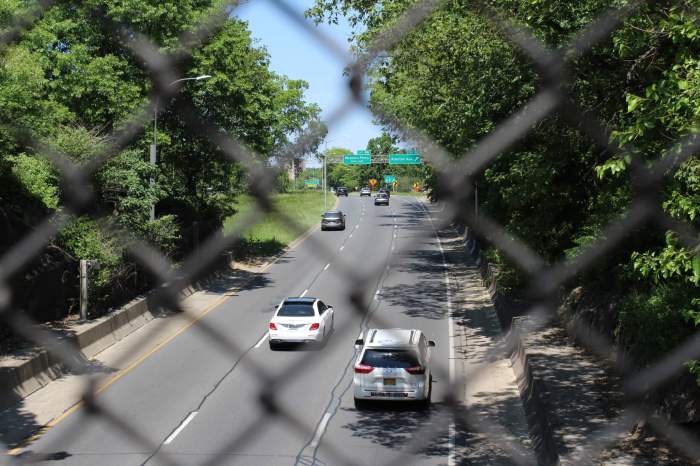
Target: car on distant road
333,220
381,199
300,320
365,192
341,191
393,364
384,191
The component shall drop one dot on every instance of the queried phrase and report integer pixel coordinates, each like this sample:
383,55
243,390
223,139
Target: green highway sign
405,159
389,178
357,159
363,152
312,182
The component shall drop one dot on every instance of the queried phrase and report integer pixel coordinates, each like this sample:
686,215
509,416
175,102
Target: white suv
393,364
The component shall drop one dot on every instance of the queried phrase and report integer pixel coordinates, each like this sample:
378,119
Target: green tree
71,80
456,77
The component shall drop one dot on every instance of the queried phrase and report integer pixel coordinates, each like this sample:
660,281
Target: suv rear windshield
331,215
296,310
390,358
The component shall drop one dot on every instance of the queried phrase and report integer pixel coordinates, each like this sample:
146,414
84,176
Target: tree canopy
456,77
73,78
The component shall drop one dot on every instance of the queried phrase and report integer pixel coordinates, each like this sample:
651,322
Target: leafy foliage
456,77
71,79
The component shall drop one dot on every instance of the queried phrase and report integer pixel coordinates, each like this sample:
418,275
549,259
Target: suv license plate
389,381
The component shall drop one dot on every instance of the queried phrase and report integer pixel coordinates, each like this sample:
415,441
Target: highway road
201,404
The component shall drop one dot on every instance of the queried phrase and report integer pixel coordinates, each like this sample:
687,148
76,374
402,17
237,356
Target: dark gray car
333,220
381,199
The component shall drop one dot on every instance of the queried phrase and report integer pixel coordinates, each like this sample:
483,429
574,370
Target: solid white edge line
259,344
304,293
180,428
326,267
321,429
452,440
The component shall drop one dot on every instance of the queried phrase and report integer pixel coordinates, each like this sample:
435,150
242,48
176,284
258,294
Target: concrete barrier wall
531,393
531,389
20,378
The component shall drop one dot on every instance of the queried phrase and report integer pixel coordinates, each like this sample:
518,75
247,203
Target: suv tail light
363,369
314,326
272,326
416,370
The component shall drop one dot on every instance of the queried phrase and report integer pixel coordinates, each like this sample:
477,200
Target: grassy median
271,234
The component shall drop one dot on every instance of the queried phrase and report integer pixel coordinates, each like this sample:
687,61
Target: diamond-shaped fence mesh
454,174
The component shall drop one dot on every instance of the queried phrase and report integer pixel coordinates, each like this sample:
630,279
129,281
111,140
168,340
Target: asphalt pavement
197,403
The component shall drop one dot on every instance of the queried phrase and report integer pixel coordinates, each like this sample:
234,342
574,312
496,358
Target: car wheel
273,346
425,404
360,404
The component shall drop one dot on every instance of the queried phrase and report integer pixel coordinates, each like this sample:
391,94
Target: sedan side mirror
431,343
359,342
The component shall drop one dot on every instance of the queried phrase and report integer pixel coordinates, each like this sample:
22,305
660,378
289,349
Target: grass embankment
271,234
408,193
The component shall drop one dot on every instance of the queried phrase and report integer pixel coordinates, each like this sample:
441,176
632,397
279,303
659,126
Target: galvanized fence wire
455,174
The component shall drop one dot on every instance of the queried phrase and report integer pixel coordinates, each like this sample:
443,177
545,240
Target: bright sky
296,53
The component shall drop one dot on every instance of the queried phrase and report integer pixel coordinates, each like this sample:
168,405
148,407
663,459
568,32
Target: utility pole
325,184
83,289
476,201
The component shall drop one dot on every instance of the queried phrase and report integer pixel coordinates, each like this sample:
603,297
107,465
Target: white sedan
300,320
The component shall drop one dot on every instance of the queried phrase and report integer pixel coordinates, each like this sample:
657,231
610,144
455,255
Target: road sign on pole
389,178
312,182
405,159
357,159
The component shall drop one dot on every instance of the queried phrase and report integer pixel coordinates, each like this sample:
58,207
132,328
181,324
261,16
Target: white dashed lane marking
180,428
321,429
262,340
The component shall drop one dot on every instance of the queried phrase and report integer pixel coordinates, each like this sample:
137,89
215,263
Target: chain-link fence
454,174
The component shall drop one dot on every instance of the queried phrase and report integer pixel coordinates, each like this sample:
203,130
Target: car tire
273,346
425,404
360,404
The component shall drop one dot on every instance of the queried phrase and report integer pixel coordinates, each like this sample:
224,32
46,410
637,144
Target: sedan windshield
296,310
390,358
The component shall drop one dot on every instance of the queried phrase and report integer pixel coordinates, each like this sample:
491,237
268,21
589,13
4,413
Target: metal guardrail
453,173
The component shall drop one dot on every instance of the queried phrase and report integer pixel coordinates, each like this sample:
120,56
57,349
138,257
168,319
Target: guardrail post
83,289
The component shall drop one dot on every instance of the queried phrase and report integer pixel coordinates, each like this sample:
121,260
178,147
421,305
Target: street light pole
154,145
